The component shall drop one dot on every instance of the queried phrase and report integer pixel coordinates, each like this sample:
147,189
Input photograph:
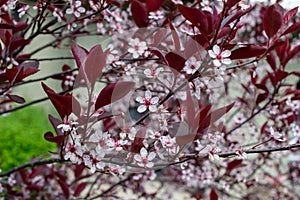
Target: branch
233,153
103,194
31,103
32,164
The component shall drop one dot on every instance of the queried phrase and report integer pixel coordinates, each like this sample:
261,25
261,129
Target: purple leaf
139,14
113,92
79,188
175,61
272,20
94,63
79,54
16,98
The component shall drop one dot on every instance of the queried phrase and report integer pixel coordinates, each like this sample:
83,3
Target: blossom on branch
219,57
191,65
144,158
148,102
276,135
136,47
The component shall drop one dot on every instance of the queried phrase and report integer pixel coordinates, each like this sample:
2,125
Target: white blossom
241,154
276,135
157,15
136,47
148,102
144,158
191,65
219,57
76,9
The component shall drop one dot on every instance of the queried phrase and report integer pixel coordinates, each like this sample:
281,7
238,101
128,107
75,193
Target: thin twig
31,164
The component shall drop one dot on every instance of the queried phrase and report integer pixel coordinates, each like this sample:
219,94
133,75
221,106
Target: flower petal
154,100
148,95
143,152
217,63
226,53
152,108
142,108
212,54
149,165
216,49
138,158
226,61
151,156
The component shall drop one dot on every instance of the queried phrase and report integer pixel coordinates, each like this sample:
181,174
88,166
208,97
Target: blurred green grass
21,136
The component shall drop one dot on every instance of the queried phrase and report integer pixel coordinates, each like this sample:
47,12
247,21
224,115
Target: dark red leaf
231,3
18,42
204,112
137,143
79,54
212,117
292,53
272,20
247,52
233,164
159,36
261,97
55,122
20,26
17,74
94,63
30,68
175,37
159,54
175,61
139,14
280,75
271,60
196,17
65,188
289,15
213,195
6,26
202,39
78,170
217,114
56,139
79,188
154,5
16,98
22,58
113,92
192,47
62,104
292,28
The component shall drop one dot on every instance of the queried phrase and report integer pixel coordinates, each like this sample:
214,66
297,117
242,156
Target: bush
21,136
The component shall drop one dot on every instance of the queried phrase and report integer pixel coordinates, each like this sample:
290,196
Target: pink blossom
276,135
116,145
241,154
136,47
22,11
144,158
74,152
148,102
157,15
191,65
76,9
219,57
212,154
